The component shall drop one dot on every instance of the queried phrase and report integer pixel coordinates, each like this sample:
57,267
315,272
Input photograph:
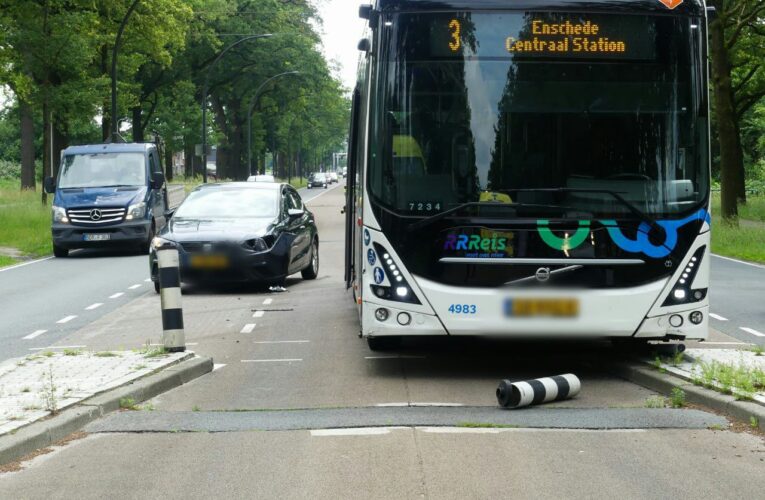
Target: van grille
96,216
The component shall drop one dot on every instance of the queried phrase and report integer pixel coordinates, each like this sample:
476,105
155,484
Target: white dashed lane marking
116,295
717,317
258,314
283,342
267,302
66,320
270,360
752,331
134,287
248,328
34,334
93,306
218,366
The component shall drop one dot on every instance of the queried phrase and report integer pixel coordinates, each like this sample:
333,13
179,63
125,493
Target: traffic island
725,380
49,395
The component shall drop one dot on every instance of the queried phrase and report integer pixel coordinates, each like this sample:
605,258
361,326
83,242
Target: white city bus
530,169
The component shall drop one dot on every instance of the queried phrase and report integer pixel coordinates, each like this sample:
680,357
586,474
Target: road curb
47,432
655,380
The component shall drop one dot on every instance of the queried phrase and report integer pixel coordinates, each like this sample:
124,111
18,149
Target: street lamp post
252,108
204,97
115,50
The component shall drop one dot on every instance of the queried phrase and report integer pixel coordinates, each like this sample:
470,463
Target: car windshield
103,169
318,177
497,107
215,203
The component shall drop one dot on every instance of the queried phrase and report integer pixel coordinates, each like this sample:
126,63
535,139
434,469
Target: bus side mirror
157,180
711,14
50,185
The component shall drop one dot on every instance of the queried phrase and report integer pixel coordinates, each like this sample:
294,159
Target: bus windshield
507,107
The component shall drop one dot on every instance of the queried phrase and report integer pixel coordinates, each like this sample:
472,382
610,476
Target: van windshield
103,170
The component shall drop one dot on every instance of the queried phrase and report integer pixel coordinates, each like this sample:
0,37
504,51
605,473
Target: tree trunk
60,142
27,146
137,124
168,163
731,157
188,160
47,138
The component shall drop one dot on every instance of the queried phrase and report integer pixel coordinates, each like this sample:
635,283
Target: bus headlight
137,211
399,290
59,215
682,292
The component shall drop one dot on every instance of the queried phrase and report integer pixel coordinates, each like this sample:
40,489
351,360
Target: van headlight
59,215
159,241
137,211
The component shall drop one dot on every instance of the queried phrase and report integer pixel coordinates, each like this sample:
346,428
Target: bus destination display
543,35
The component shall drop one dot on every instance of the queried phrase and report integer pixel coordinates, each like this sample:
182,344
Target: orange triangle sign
671,4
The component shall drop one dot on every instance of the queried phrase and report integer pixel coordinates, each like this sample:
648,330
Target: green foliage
24,222
677,398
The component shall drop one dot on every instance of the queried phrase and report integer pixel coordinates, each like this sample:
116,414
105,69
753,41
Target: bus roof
686,7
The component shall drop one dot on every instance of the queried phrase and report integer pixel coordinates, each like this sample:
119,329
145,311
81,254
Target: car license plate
209,261
97,237
529,308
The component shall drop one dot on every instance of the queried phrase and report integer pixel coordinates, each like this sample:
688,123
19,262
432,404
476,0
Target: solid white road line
258,314
116,295
23,264
739,261
358,431
283,342
93,306
34,335
752,331
267,302
248,328
57,347
134,287
270,360
724,343
322,193
192,343
717,317
66,320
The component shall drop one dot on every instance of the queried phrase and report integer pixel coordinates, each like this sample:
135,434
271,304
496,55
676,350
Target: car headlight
59,215
137,211
158,242
256,244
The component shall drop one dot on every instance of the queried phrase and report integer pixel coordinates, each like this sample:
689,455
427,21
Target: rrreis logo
671,4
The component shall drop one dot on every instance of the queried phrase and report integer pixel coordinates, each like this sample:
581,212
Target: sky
342,31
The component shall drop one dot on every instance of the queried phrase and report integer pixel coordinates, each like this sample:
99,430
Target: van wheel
60,251
145,247
156,286
384,343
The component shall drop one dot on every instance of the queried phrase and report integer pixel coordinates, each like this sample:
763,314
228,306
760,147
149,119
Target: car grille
96,216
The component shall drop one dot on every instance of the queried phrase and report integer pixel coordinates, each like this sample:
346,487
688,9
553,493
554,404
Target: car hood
217,229
100,197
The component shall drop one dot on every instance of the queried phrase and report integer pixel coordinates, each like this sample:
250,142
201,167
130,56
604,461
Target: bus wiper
485,204
618,197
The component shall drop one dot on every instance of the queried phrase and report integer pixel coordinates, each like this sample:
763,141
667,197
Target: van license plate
97,237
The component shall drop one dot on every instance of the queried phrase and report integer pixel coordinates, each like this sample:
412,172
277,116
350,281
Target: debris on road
541,390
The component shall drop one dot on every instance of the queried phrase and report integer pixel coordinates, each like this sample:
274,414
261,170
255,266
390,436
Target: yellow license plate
528,308
209,262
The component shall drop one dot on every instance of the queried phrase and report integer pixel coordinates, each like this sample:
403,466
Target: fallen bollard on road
541,390
173,336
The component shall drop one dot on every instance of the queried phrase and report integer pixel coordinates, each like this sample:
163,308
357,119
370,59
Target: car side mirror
50,185
294,213
157,180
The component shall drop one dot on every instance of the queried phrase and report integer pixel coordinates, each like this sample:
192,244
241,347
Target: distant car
212,170
333,177
318,180
345,172
261,178
241,232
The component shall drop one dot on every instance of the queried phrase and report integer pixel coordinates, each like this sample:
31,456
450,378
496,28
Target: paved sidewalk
31,387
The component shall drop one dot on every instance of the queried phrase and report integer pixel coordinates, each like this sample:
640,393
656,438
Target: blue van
108,195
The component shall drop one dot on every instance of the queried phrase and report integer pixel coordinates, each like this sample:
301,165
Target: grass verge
745,242
24,222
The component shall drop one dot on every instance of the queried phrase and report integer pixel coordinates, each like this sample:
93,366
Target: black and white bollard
173,336
541,390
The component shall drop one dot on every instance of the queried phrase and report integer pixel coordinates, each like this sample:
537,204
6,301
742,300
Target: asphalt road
291,367
45,301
